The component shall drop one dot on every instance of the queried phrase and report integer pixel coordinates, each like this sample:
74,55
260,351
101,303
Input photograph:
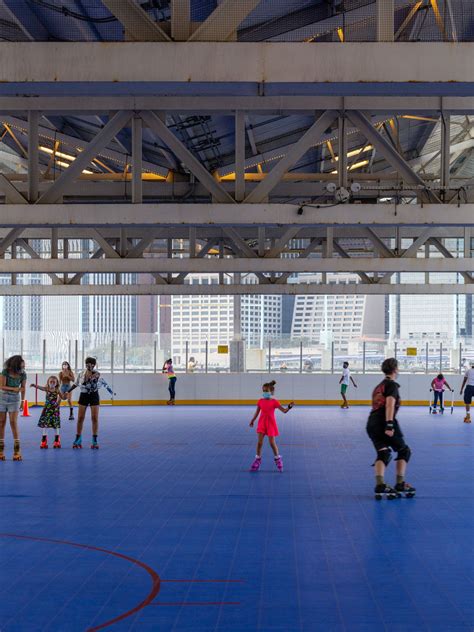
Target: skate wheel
410,495
378,496
2,458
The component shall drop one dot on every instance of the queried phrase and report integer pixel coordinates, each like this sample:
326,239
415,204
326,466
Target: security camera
355,187
342,195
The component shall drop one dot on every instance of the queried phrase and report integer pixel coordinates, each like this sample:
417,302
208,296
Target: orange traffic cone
26,410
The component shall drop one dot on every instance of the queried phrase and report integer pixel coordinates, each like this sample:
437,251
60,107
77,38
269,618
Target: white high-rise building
200,318
339,317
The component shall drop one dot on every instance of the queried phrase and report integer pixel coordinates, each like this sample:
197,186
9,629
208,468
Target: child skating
89,382
50,417
12,394
66,377
468,382
267,425
386,435
345,380
437,386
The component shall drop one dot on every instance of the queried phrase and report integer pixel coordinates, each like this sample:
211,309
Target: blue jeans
438,395
171,387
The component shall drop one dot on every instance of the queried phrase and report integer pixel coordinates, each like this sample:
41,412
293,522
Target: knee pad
404,454
384,455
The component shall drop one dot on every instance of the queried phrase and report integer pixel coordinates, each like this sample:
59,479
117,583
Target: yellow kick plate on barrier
222,348
412,351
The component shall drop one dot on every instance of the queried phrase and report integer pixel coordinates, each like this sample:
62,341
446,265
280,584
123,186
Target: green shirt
14,382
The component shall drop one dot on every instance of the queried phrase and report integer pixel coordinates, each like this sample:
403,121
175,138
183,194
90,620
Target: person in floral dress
50,417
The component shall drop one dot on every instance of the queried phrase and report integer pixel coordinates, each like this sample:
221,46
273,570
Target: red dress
266,422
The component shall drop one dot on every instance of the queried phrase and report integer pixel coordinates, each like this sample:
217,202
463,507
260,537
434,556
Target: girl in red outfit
267,425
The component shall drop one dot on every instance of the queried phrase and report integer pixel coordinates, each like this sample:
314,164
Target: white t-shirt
470,377
346,374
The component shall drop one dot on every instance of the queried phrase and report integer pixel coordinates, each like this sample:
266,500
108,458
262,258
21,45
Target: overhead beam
410,251
214,215
138,26
116,123
191,162
202,103
74,144
227,289
309,138
11,192
267,62
224,21
201,265
34,255
390,154
180,20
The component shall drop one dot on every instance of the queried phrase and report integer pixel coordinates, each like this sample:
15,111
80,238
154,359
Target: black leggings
438,395
171,387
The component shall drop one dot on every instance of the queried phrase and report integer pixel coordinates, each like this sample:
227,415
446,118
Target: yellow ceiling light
59,154
361,163
356,165
356,152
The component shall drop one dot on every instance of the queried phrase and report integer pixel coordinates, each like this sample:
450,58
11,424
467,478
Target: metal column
33,156
137,185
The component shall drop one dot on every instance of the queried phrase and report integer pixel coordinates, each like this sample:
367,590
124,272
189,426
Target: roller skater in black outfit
386,435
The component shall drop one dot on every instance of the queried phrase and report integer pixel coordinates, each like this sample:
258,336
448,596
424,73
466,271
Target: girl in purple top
437,386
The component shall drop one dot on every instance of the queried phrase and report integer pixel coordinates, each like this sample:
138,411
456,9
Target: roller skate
441,411
279,463
405,489
385,491
256,464
77,445
57,442
434,411
44,443
71,415
467,418
17,452
2,449
94,444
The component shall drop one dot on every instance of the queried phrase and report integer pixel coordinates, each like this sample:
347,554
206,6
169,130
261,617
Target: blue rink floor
165,529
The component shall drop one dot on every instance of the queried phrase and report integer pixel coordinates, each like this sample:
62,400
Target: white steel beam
11,192
215,215
189,62
240,135
390,154
210,265
116,123
227,289
224,21
309,138
279,104
180,20
136,22
33,156
137,158
191,162
74,144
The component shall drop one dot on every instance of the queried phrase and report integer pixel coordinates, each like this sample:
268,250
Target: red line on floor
196,603
155,579
203,581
